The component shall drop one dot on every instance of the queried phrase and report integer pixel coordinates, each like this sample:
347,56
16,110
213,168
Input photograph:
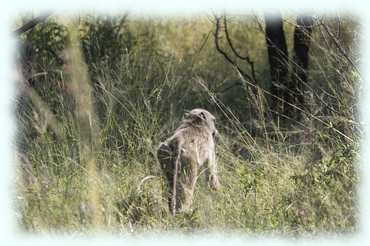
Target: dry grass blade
81,90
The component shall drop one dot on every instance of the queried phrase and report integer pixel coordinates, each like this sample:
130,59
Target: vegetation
88,131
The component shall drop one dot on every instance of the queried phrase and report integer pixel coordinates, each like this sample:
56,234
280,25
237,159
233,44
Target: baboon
183,154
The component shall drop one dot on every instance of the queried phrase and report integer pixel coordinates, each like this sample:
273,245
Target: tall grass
101,171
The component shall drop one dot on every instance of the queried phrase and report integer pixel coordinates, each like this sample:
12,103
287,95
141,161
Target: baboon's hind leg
188,176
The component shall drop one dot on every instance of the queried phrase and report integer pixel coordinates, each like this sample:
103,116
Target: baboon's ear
216,135
202,115
186,115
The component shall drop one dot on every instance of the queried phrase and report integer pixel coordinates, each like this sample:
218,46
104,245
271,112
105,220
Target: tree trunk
302,40
278,60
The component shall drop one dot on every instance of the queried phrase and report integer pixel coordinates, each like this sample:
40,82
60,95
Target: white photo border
12,10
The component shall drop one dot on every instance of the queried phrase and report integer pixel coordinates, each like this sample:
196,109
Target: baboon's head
202,117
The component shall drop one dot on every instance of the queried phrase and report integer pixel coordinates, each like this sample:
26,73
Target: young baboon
182,155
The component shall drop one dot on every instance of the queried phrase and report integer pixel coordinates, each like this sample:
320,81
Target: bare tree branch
245,58
32,23
225,55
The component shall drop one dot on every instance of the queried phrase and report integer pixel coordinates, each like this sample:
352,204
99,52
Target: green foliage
105,40
145,74
48,40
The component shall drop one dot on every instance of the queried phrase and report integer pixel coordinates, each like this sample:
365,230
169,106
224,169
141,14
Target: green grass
269,184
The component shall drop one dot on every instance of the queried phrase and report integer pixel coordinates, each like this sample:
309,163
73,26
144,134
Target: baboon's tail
175,175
